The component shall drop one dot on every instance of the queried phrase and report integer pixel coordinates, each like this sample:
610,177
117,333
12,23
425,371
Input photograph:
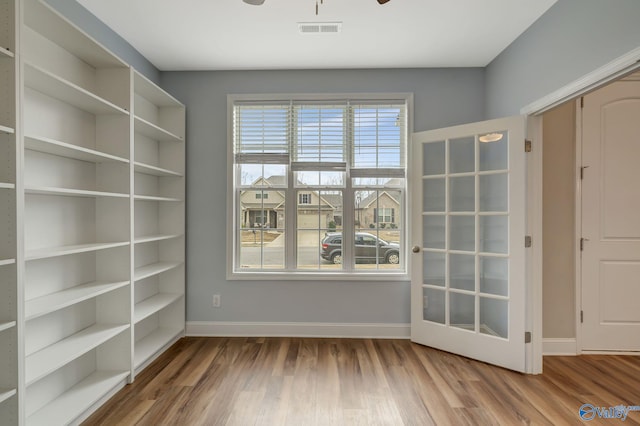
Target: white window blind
262,133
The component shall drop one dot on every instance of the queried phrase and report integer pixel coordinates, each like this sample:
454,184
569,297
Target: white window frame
348,204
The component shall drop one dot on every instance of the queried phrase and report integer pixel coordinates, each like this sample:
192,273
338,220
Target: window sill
325,276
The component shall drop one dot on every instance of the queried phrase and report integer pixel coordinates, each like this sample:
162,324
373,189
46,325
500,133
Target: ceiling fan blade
254,2
383,1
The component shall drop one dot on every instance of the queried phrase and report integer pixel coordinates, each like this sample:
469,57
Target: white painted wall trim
297,329
605,74
559,347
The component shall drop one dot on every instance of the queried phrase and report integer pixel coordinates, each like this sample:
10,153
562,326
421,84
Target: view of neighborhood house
377,215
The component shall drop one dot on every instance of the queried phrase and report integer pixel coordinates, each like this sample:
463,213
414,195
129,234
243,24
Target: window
329,181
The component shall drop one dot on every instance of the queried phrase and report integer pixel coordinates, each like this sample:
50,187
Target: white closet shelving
9,338
92,197
159,191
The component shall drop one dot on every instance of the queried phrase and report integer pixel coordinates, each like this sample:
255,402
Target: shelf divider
154,131
153,342
70,192
152,269
6,394
8,130
63,149
153,304
7,325
155,237
45,253
148,169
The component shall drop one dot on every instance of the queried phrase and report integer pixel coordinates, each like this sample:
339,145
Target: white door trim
578,229
618,67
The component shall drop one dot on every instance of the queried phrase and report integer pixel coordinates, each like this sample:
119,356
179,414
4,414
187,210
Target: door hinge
581,244
527,241
582,171
527,337
582,102
581,317
527,145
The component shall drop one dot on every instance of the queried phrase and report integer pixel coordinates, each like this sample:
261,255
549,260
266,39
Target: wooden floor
295,381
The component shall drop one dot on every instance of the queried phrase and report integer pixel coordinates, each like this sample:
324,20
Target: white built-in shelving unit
92,198
10,354
159,222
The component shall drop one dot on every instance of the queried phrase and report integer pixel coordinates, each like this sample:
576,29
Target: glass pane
462,271
433,305
433,159
462,194
494,193
377,136
433,231
378,182
330,249
494,155
462,311
262,249
433,195
262,223
309,210
309,249
462,233
494,275
259,175
433,268
494,233
494,317
462,157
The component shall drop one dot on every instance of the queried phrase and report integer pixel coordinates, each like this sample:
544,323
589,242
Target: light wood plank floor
296,381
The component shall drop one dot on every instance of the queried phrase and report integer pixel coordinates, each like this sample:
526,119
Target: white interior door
611,218
468,218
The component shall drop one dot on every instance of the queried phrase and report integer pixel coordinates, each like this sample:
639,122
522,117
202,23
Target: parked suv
367,247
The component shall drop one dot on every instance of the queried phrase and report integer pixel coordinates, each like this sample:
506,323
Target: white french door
468,257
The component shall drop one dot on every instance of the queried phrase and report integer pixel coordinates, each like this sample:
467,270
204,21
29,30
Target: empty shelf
7,262
154,269
49,359
62,149
154,132
8,130
62,299
6,394
7,325
156,237
153,304
152,93
4,185
5,52
153,170
45,253
153,342
79,398
70,192
154,198
51,85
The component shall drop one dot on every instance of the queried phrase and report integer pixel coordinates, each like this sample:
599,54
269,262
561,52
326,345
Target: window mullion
348,203
291,221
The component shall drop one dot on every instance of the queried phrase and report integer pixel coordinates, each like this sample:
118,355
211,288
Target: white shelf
76,400
154,269
153,170
154,198
62,149
49,359
59,88
45,253
153,342
4,52
4,262
154,132
153,93
53,26
153,304
43,305
156,237
69,192
7,325
8,130
6,394
7,185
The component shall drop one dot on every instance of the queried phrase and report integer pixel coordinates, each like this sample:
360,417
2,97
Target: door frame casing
603,75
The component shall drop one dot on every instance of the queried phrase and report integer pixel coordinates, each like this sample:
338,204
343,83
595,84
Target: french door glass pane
494,317
434,195
433,305
494,273
462,311
433,268
433,161
462,155
494,193
433,231
463,233
494,234
494,155
462,271
462,194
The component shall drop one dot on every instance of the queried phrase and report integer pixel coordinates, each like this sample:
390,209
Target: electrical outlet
216,300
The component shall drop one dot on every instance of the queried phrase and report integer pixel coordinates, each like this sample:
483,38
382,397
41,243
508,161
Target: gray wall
573,38
84,19
442,97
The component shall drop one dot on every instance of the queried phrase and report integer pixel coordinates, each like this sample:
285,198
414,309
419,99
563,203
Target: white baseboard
297,329
559,347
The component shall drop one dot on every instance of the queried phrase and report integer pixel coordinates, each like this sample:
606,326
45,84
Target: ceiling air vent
319,27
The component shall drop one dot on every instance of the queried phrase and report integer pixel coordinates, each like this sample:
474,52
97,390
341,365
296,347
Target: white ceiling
229,34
